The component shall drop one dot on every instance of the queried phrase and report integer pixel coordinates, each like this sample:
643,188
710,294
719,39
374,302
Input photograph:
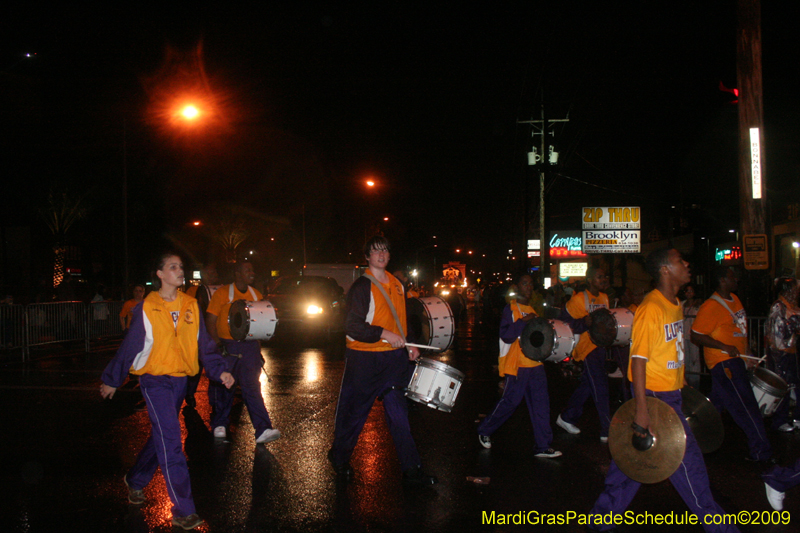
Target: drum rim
246,323
756,381
447,370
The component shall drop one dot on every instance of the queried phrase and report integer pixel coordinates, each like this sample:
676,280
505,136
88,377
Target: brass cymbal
664,456
703,418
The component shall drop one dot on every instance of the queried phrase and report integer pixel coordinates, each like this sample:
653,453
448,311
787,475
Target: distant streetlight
196,223
370,183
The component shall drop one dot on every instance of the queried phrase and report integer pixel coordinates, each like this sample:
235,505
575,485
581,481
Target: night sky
309,100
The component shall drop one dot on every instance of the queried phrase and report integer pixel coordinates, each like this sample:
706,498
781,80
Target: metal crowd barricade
756,329
102,321
12,327
54,322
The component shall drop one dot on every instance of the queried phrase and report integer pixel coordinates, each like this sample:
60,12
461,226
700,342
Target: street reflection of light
311,363
263,378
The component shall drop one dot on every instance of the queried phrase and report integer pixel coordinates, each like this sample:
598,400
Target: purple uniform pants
368,375
690,479
594,383
731,386
247,373
164,397
530,384
783,478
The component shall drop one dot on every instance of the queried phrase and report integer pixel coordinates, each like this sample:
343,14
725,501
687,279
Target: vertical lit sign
755,162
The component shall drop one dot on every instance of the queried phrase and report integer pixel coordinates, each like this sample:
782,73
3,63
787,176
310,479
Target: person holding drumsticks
656,369
524,377
242,357
166,339
721,329
594,379
376,366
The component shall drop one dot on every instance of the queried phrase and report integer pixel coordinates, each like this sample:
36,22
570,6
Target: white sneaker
786,428
566,426
603,439
220,432
269,435
775,498
548,453
485,441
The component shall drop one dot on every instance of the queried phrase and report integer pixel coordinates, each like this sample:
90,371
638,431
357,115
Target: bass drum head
537,339
432,318
603,330
239,320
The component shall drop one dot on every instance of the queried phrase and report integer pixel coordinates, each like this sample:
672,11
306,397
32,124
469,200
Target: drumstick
422,346
751,357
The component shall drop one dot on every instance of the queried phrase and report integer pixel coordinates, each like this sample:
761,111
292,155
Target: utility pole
542,160
752,189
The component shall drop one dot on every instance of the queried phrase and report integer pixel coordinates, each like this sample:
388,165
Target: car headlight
314,310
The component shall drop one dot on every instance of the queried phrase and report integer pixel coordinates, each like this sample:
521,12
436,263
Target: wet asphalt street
64,452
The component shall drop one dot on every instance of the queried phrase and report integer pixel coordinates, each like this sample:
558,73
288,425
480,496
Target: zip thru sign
611,218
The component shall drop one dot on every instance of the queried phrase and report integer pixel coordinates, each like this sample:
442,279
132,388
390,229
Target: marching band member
721,329
782,327
166,338
126,315
594,380
376,312
242,357
656,369
524,377
202,293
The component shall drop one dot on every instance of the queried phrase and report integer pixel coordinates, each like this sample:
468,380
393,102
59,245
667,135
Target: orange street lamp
190,112
370,183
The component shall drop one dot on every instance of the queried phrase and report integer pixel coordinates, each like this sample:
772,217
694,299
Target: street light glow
190,112
196,223
370,183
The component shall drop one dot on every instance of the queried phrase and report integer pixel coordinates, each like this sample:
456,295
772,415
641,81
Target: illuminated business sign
732,253
565,244
755,162
612,242
572,270
534,244
611,218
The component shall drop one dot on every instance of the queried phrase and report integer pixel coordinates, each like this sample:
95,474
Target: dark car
310,302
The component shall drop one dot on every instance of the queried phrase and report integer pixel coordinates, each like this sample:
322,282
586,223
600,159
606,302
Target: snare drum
768,388
435,384
252,320
433,319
